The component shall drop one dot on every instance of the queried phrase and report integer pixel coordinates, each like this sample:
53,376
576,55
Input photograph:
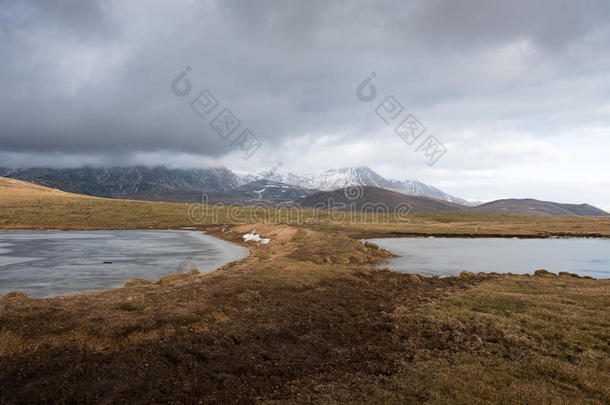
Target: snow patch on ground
254,237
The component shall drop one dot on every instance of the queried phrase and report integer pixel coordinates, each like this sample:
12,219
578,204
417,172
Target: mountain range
141,181
222,185
374,199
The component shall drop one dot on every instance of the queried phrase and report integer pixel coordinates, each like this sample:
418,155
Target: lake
449,256
51,263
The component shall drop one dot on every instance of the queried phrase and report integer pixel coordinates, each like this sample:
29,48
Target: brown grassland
304,319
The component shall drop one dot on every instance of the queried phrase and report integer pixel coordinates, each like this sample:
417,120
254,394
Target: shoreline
205,253
447,257
220,236
359,234
304,316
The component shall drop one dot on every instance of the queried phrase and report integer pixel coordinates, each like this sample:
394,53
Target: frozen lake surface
449,256
50,263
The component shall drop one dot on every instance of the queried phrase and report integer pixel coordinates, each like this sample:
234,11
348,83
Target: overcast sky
517,91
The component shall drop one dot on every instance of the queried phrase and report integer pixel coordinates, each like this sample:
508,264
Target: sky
516,94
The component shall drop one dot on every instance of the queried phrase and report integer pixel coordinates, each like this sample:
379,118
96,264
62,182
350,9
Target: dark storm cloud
93,77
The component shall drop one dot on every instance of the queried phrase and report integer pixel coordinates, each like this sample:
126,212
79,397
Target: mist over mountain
221,185
118,182
157,182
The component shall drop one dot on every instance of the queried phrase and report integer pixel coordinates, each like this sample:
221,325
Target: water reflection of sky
56,263
450,256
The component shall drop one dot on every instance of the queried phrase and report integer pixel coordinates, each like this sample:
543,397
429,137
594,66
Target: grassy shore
306,318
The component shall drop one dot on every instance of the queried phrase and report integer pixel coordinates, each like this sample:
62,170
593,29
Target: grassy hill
528,206
374,198
25,205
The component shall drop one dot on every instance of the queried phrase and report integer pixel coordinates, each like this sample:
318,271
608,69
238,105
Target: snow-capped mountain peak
414,187
341,178
356,176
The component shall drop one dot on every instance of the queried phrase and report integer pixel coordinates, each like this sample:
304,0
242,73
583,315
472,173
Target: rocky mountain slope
358,176
163,184
126,181
267,190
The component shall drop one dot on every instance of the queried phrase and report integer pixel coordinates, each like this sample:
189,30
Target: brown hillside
373,198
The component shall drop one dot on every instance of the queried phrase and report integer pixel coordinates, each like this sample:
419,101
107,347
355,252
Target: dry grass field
304,319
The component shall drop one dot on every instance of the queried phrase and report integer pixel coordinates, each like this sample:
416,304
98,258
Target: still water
449,256
46,264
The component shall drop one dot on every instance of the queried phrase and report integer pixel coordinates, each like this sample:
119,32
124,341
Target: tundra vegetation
308,317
